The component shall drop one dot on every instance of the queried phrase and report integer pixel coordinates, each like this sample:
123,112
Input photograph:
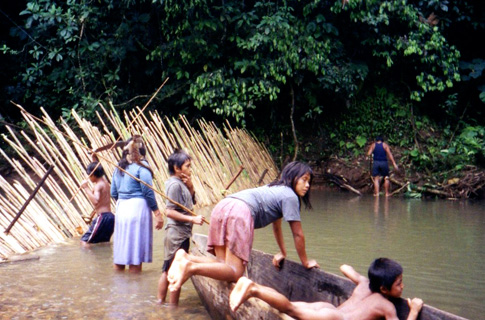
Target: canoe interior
293,280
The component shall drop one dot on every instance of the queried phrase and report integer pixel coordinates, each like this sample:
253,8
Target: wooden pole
262,176
155,190
241,168
41,182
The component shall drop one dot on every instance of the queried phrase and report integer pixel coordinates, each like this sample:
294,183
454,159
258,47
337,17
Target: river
441,245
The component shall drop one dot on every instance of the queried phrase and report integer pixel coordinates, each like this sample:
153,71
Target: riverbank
354,175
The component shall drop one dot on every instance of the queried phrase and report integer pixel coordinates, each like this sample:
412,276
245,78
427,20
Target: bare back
366,305
102,194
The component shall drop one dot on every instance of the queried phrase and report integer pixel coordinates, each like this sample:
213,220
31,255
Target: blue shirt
379,152
268,204
125,187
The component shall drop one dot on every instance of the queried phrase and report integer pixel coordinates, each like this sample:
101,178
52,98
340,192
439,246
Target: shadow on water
441,245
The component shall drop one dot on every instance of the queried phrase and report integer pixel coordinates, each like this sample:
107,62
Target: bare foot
177,274
240,293
119,267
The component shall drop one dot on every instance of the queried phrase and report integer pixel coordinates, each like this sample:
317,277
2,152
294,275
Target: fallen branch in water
341,182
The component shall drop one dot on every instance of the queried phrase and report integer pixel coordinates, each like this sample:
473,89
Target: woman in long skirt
135,202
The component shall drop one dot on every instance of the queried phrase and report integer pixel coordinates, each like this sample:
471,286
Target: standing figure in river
232,228
102,226
380,168
135,202
179,225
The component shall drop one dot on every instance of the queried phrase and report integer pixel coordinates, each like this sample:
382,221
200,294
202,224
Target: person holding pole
102,227
179,225
135,202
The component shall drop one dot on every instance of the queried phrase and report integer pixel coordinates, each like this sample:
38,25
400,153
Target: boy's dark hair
177,159
380,138
92,170
383,272
290,174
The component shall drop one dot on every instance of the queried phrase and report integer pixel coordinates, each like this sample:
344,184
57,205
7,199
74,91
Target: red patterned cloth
232,226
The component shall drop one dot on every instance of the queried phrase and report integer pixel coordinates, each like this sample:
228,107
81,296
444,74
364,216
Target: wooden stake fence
58,210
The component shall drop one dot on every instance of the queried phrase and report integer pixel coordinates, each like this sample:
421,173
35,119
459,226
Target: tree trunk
295,139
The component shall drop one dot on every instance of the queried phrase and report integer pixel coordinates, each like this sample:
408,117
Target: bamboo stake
217,156
241,168
30,198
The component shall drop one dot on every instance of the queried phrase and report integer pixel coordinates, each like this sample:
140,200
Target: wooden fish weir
59,209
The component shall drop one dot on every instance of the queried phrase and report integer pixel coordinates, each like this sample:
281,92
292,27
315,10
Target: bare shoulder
103,185
385,307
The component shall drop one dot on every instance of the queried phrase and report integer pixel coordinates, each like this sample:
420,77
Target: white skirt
133,234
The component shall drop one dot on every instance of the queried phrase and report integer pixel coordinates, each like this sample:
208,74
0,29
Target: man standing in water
103,225
380,167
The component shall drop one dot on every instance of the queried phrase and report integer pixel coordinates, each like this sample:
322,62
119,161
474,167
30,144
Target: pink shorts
232,226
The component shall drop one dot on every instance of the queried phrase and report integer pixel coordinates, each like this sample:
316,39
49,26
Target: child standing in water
179,225
232,228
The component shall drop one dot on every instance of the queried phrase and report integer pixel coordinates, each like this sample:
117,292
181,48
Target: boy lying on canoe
369,300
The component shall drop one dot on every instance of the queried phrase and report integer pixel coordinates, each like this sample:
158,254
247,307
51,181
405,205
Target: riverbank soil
354,175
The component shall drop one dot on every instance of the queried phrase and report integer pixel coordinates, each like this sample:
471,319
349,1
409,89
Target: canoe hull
292,280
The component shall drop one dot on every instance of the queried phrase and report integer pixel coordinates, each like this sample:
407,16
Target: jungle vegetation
310,78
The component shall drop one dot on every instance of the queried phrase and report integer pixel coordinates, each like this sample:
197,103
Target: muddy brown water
441,245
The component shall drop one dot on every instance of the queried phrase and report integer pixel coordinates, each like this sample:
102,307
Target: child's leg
246,289
376,185
386,186
174,297
227,267
162,287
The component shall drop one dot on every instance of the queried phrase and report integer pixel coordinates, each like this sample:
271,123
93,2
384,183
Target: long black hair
290,175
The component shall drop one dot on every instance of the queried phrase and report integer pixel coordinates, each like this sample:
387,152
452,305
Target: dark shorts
380,168
167,263
101,229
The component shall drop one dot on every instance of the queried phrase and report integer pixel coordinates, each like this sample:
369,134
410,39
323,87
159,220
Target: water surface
441,245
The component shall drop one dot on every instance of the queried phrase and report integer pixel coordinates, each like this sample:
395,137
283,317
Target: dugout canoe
292,280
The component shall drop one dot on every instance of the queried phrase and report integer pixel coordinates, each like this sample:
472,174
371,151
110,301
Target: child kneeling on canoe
232,228
369,300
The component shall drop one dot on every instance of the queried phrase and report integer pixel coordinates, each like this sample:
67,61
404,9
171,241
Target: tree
78,53
242,59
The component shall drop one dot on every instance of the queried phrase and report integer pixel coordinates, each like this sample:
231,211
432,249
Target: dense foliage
338,70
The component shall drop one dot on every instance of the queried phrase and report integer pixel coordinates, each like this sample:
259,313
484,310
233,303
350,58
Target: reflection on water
441,245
